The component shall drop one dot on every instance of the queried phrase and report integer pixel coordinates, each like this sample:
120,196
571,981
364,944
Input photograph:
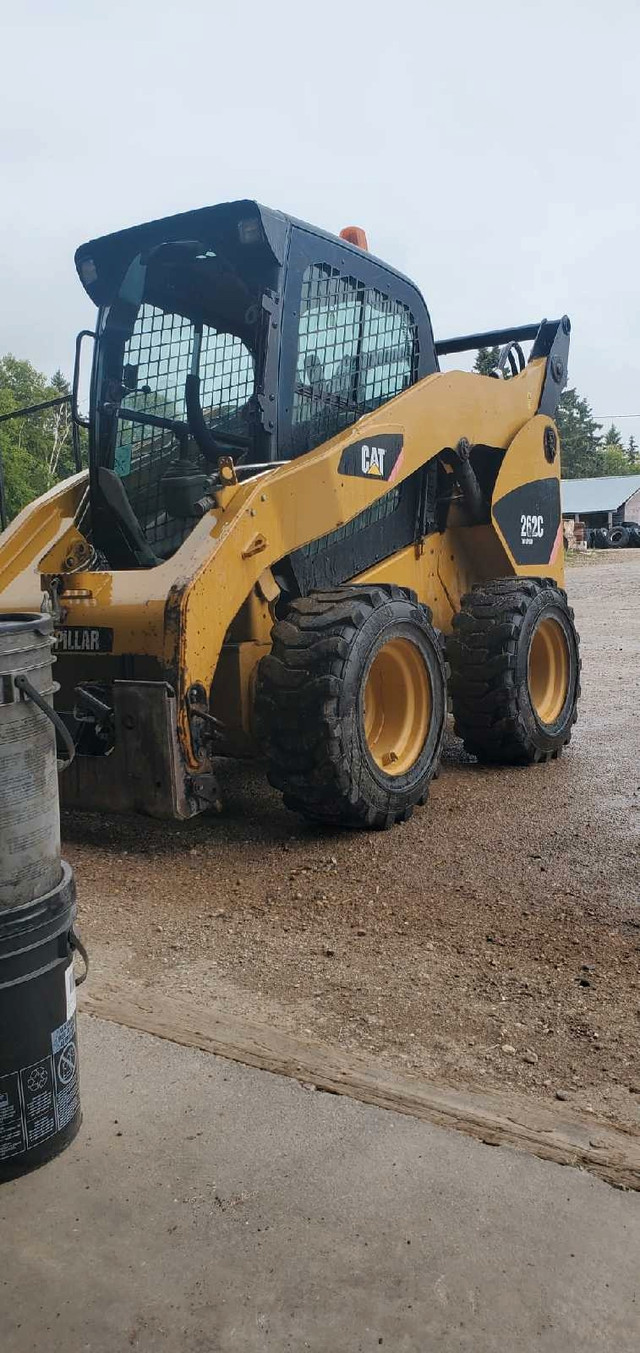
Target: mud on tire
310,705
504,710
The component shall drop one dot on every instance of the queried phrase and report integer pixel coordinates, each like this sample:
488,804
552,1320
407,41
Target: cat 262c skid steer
288,507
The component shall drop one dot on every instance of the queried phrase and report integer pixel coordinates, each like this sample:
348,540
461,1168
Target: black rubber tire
489,658
634,537
619,537
309,705
601,538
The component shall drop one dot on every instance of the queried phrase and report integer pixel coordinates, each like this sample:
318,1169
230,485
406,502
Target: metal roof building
605,501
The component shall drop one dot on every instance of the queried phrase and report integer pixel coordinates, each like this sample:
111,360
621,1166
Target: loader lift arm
551,341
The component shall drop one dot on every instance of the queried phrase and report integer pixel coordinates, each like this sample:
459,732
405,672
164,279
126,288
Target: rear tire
515,671
351,705
619,537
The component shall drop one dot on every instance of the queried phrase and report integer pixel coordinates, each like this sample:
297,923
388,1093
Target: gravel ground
492,940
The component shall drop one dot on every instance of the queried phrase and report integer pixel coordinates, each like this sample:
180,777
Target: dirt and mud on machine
297,535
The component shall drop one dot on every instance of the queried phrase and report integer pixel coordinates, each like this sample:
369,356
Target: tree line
587,451
36,452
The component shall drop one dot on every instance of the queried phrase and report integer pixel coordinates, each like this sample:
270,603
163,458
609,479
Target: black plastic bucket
39,1089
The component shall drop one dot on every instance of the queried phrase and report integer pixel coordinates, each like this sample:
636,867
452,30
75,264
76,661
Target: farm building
607,501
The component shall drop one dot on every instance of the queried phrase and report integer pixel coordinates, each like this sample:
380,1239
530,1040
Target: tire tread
307,742
482,653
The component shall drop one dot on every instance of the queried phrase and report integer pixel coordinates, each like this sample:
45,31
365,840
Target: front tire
351,705
515,671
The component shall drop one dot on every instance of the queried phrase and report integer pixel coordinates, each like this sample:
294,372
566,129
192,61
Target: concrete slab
208,1207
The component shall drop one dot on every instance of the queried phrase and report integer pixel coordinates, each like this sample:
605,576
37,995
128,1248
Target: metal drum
30,864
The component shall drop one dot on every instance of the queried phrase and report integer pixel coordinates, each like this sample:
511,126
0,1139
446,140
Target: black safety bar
35,408
139,416
493,338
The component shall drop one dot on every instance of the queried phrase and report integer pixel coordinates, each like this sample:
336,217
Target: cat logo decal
379,458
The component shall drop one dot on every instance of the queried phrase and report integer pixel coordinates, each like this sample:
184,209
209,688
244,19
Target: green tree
615,460
633,454
37,450
16,462
580,437
486,360
615,456
612,437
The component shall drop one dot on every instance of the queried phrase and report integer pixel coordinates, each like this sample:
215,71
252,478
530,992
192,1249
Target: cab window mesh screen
389,349
356,348
226,382
156,362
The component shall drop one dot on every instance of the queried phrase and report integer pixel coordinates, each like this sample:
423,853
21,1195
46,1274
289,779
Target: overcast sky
490,151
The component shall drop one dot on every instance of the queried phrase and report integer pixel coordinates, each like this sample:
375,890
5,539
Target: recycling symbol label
37,1078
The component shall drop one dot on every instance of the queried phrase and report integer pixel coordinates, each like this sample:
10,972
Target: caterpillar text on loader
288,505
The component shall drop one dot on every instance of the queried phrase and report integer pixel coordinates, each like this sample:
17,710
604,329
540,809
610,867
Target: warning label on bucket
12,1137
40,1099
65,1059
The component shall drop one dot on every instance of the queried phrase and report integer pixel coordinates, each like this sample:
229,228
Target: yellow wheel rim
548,670
397,706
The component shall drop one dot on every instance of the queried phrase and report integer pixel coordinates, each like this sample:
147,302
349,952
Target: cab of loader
231,332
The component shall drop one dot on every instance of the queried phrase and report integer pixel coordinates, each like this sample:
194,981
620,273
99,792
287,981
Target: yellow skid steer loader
297,536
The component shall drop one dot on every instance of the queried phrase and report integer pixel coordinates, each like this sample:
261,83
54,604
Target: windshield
174,321
156,362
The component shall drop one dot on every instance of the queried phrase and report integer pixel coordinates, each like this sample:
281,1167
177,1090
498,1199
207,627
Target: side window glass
326,386
389,350
357,348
